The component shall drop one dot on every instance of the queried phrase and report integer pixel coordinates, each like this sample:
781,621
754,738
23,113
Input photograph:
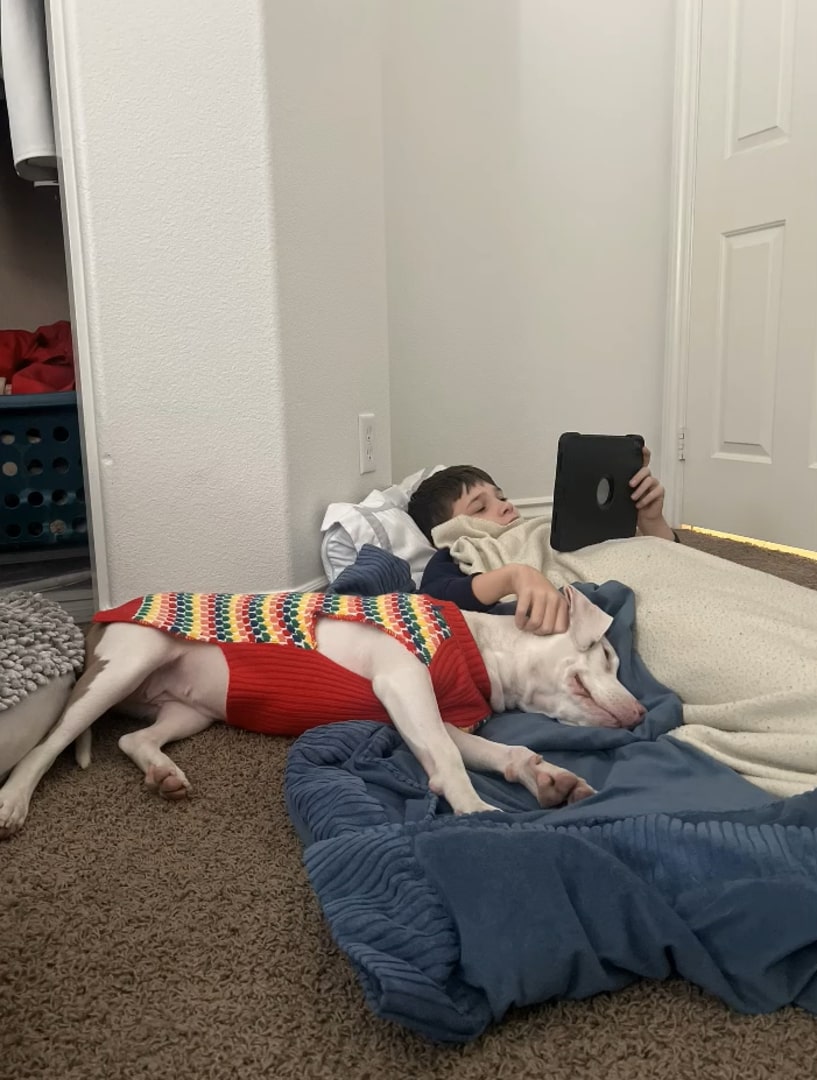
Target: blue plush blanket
677,865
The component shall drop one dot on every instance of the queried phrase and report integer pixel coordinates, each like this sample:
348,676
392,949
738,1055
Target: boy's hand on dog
540,607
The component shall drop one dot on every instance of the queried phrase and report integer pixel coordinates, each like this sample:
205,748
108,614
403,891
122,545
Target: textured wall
528,148
233,256
327,178
231,198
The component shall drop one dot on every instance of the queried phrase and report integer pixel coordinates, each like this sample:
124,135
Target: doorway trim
679,278
60,62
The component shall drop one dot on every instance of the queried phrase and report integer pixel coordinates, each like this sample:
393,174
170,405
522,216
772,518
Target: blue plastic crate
42,498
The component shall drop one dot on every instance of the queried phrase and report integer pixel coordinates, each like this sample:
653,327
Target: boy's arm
444,580
540,608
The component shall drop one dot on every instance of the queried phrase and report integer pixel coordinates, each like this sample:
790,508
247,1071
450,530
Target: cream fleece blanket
738,646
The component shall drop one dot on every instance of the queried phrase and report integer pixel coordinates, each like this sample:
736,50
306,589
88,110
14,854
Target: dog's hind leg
550,784
175,720
119,661
403,685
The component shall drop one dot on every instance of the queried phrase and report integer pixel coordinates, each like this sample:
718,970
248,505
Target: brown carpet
144,939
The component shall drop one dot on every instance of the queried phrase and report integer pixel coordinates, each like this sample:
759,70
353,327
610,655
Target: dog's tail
82,749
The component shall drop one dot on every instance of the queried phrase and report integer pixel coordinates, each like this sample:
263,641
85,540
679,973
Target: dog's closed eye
579,687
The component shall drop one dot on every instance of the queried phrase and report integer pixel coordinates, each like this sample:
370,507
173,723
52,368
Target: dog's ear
588,623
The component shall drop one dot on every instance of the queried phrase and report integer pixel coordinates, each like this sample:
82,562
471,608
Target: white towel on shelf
24,65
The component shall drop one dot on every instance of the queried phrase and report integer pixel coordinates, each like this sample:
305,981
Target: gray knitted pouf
39,641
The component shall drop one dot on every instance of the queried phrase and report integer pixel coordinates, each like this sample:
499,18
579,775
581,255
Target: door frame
62,64
679,279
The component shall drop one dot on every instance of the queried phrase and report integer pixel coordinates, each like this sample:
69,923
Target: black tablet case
582,462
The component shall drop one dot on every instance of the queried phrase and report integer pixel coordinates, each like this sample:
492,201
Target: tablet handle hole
604,492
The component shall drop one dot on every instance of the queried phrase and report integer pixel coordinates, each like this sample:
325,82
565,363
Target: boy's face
486,502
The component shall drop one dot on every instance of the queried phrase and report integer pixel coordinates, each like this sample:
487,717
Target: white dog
186,660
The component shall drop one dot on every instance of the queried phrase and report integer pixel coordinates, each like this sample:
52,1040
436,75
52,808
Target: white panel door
751,418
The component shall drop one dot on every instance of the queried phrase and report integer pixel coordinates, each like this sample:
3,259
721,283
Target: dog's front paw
582,790
551,785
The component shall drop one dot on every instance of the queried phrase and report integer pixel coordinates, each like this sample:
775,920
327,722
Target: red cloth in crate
38,362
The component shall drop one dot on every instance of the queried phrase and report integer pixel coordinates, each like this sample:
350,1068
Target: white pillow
380,519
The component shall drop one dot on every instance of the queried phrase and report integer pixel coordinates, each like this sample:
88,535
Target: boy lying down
466,490
737,645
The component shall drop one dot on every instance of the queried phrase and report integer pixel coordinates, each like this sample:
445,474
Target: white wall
527,149
228,168
327,178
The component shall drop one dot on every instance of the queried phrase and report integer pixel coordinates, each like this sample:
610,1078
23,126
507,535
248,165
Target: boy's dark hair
434,498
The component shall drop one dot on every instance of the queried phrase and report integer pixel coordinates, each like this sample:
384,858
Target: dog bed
42,650
677,866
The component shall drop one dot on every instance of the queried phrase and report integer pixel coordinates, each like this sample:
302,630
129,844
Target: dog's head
576,678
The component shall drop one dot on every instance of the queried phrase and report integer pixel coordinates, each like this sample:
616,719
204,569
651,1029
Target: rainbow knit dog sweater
279,684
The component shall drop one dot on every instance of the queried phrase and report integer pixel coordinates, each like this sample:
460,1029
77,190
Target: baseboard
535,506
317,584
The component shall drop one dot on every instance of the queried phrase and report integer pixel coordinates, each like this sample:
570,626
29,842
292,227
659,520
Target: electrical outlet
365,441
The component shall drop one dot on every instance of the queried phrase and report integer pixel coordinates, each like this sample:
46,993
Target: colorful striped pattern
289,618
